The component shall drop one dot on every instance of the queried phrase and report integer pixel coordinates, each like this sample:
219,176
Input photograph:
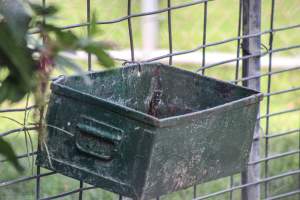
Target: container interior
158,90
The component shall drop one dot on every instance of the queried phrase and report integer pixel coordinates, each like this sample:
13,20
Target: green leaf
62,61
43,11
65,39
16,17
93,25
3,59
97,50
7,151
17,56
12,89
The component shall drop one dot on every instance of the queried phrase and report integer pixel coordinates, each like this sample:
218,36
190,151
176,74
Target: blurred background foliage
26,62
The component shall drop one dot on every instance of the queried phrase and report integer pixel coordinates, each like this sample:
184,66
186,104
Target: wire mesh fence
250,30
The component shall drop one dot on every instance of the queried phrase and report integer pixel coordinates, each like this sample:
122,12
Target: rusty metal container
147,130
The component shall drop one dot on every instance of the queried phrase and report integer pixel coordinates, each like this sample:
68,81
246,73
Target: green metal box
149,129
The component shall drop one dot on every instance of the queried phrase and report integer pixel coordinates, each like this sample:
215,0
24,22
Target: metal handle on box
103,132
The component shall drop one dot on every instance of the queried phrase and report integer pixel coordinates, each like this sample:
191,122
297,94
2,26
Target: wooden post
251,67
150,25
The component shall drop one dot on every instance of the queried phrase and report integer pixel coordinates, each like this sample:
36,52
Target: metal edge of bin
171,121
150,64
70,170
61,89
204,77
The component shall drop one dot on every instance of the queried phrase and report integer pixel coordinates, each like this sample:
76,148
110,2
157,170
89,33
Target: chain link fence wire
249,29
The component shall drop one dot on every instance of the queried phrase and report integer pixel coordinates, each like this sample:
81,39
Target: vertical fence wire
88,20
238,43
170,33
251,78
269,97
204,35
130,30
299,156
37,190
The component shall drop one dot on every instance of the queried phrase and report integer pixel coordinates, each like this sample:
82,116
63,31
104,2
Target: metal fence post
251,67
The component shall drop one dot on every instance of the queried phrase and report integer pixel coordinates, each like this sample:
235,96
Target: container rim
59,88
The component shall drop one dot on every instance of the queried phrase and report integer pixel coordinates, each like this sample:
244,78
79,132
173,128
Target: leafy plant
30,60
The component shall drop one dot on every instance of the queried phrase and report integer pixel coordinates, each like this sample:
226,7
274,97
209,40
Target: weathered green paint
202,130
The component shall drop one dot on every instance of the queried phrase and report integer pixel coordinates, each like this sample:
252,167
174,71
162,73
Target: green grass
187,34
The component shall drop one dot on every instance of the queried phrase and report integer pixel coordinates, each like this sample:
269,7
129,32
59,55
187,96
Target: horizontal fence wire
17,130
281,196
291,173
81,189
274,135
267,115
275,156
25,155
18,109
23,179
266,74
